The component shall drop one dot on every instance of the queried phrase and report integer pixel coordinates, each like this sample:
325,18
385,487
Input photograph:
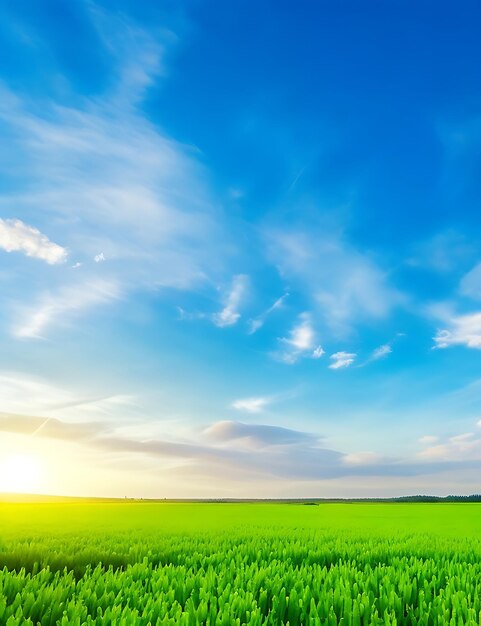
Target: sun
20,473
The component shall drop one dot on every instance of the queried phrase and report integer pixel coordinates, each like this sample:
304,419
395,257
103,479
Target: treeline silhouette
476,497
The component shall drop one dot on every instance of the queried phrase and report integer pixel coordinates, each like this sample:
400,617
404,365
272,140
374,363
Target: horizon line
13,497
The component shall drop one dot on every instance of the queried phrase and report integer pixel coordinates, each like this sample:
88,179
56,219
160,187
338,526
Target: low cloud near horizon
241,450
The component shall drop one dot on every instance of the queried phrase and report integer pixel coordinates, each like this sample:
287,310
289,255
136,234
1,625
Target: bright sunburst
20,473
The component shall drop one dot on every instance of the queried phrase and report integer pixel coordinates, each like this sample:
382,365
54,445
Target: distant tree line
476,497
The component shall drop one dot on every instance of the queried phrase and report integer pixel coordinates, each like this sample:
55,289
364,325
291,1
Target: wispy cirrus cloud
381,352
259,321
428,439
33,395
102,177
461,437
61,307
465,446
259,403
462,446
342,360
357,290
16,236
230,314
138,55
318,352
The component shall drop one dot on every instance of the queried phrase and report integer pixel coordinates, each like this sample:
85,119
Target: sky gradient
240,248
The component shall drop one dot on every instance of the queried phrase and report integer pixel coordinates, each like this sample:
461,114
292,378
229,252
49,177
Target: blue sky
240,247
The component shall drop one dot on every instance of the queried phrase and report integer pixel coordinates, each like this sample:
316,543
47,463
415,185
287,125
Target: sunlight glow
20,473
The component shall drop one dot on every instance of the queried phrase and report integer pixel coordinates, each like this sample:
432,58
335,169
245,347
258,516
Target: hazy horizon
240,249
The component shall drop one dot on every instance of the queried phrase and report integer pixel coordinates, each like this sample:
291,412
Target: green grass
144,563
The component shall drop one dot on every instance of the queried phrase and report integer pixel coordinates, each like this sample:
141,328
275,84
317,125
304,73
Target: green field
144,563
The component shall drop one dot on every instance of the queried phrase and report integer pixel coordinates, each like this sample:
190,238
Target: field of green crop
144,563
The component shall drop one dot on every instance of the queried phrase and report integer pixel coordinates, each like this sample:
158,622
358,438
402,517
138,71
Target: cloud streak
33,396
247,450
342,360
56,309
381,352
230,314
16,236
251,405
462,330
357,290
258,322
258,435
462,447
102,177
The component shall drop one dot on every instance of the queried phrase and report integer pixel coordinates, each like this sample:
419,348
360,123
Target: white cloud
463,330
230,313
346,285
16,236
456,451
102,177
251,405
318,352
301,340
138,54
191,315
462,447
301,336
381,352
257,323
254,325
462,437
428,439
342,360
478,423
99,258
361,458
